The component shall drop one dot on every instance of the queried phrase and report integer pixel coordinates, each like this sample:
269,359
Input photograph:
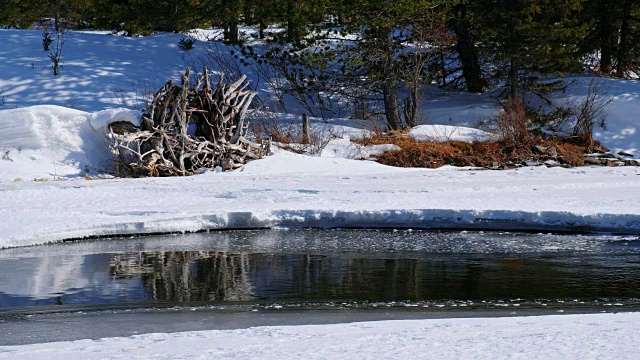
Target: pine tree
527,39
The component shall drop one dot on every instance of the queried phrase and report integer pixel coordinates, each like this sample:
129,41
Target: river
235,279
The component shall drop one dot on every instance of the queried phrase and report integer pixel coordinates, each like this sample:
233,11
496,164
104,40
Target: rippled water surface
320,269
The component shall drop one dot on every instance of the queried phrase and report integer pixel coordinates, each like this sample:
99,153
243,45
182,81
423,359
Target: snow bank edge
425,219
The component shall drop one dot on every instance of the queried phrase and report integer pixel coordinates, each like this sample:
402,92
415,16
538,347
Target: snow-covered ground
52,131
595,336
47,148
301,191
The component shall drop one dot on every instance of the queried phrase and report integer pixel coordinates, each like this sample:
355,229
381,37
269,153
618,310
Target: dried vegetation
188,128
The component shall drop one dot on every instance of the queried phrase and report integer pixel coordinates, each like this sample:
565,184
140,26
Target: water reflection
181,276
322,267
221,276
39,278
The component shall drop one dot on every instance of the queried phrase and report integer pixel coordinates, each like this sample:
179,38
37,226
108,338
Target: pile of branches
187,129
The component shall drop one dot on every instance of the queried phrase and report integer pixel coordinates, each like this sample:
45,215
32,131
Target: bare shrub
513,125
489,154
430,39
300,76
6,154
590,112
289,135
317,140
52,45
437,154
215,57
267,125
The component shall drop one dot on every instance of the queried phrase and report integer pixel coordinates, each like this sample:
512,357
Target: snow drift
48,141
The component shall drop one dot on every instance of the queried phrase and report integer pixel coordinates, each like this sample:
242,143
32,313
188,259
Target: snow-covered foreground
289,190
595,336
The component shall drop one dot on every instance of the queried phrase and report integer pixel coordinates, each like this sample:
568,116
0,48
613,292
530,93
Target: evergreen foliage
393,45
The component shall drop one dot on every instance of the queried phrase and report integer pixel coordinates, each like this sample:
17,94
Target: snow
99,71
290,190
592,336
621,128
345,148
102,119
51,142
46,149
443,133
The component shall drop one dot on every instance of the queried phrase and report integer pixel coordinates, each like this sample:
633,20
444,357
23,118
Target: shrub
482,154
590,112
571,154
513,125
437,154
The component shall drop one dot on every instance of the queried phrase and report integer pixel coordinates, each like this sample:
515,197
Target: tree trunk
467,52
391,108
261,28
443,69
513,63
606,36
56,15
623,50
233,34
513,78
292,26
305,128
411,107
248,15
389,81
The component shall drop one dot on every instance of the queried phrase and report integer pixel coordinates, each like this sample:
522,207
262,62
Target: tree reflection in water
211,276
183,276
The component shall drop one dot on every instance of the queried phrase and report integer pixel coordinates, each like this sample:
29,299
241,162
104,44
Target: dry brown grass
482,154
573,155
437,154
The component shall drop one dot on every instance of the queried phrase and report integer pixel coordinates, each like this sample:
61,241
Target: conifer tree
525,39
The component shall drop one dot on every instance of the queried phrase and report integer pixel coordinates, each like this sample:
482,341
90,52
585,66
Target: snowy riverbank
44,198
594,336
289,190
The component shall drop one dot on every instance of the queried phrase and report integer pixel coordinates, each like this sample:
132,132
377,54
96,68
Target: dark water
325,269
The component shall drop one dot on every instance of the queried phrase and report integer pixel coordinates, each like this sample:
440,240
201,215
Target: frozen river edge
539,337
427,219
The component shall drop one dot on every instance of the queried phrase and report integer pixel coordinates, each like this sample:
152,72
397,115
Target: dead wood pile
187,129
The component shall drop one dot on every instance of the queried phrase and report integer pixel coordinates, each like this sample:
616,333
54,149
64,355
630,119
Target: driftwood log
187,129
